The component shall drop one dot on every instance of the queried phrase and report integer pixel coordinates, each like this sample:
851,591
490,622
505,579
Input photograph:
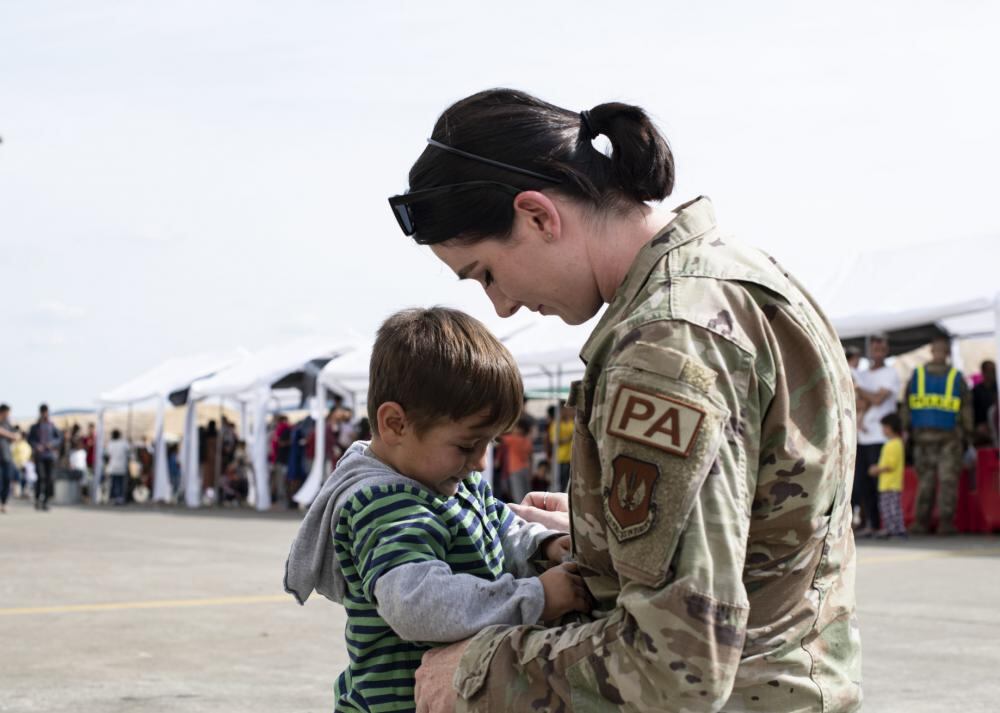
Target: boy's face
446,453
888,432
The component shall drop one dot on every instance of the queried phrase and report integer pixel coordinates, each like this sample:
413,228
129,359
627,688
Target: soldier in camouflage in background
937,414
714,445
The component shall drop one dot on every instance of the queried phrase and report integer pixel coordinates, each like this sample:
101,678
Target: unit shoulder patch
654,420
628,503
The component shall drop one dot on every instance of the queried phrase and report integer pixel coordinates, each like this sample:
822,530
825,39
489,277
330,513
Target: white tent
253,383
346,376
954,283
173,376
547,351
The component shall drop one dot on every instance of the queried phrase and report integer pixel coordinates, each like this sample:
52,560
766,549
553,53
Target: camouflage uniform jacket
710,502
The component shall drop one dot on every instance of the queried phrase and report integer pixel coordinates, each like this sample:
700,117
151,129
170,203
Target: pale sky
178,177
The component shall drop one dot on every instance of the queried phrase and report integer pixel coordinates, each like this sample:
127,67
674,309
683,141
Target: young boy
889,472
406,534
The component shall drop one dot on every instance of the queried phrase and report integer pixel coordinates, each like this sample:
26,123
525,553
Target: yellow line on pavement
916,556
155,604
271,598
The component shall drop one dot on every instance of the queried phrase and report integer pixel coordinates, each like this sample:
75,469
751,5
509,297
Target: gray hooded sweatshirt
418,600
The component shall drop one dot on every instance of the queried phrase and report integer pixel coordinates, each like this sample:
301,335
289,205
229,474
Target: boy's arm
523,544
399,548
427,602
522,541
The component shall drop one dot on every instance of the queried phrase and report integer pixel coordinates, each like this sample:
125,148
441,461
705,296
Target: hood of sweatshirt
312,564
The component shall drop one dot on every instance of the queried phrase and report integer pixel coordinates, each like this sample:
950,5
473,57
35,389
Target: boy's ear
392,423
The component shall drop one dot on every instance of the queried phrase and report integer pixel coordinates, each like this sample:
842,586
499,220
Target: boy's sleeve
399,550
390,528
427,602
521,540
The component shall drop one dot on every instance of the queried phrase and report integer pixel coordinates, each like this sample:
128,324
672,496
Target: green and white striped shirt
393,538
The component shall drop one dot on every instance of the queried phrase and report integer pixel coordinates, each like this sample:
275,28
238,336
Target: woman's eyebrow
464,272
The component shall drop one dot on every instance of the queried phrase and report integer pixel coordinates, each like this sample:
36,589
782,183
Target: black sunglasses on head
401,204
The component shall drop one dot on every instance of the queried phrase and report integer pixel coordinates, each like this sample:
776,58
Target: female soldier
710,490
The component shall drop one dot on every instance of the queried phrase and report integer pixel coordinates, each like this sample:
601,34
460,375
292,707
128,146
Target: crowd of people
522,458
32,460
292,449
29,460
935,421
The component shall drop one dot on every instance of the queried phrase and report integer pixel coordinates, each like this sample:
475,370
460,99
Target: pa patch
655,420
628,503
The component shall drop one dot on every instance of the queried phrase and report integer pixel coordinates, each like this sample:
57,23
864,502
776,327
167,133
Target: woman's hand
434,691
564,591
548,509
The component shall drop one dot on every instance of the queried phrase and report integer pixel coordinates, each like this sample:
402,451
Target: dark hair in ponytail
515,128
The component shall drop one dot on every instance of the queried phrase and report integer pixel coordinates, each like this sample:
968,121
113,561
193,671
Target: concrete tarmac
106,610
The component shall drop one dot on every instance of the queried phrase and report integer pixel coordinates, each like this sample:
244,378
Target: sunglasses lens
405,218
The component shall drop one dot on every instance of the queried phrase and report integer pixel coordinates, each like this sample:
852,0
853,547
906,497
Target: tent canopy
546,349
951,284
171,377
347,376
291,365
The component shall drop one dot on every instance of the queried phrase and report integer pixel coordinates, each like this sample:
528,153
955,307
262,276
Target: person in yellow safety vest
937,413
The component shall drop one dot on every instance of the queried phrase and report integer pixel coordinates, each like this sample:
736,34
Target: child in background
889,472
517,460
21,452
540,478
406,534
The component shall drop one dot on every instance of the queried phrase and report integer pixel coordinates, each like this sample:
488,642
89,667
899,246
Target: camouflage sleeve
672,478
904,406
966,417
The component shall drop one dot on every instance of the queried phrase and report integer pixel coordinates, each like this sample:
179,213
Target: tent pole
128,426
996,336
98,456
217,476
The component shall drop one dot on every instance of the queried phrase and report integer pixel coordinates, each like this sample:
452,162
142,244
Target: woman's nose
505,307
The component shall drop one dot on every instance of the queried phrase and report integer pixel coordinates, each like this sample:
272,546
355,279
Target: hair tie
588,131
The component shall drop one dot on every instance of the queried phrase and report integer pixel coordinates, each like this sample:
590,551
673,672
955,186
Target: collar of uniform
692,220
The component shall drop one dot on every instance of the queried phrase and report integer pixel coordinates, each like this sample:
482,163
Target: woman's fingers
554,502
536,499
553,520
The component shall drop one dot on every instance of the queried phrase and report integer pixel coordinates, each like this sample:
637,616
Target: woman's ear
392,423
539,215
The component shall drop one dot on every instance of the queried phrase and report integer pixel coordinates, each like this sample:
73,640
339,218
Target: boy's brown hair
441,364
